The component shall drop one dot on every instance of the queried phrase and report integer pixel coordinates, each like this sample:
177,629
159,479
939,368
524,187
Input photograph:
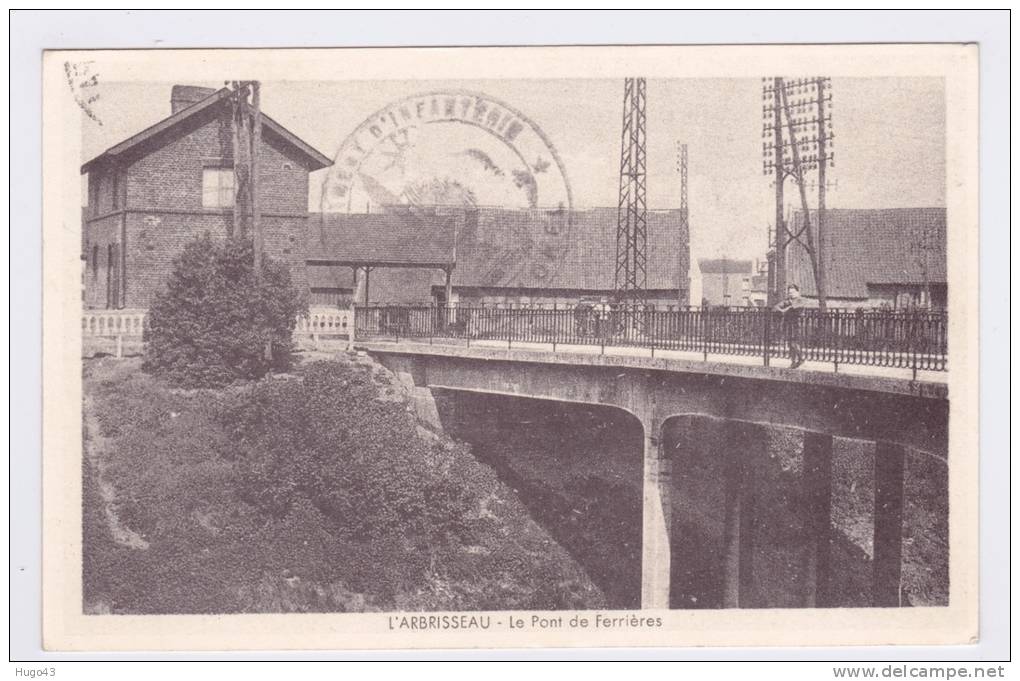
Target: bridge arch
541,398
577,466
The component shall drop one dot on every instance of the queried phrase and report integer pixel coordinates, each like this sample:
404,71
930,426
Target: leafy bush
213,322
330,439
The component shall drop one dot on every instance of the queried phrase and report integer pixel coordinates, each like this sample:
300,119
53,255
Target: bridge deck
857,377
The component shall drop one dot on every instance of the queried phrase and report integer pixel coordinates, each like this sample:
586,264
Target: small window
116,190
217,187
95,261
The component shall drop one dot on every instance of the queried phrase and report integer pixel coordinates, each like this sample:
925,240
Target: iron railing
914,340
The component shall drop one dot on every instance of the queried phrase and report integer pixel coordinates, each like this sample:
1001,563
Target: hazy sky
889,146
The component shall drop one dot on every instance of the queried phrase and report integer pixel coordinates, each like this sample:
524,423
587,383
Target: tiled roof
504,248
395,238
874,246
724,266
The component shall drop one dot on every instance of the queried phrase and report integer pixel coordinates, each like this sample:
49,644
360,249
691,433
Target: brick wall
99,235
154,240
285,240
170,177
104,185
283,178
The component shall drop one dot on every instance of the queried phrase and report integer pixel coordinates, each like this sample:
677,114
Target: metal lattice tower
631,226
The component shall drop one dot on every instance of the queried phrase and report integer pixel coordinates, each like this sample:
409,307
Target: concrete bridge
903,423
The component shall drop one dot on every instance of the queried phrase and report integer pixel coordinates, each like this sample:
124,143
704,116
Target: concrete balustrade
113,322
326,322
119,324
130,324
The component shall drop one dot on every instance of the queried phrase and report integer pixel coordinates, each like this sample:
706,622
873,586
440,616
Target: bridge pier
655,523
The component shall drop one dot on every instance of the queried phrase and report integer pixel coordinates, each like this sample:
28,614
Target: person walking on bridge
602,313
790,308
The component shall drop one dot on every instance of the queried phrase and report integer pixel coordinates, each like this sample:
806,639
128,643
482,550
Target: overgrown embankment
312,492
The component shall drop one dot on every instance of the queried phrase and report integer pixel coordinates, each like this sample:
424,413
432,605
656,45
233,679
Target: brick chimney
183,96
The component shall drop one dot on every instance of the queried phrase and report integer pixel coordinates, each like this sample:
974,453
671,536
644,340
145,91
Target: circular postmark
447,148
462,149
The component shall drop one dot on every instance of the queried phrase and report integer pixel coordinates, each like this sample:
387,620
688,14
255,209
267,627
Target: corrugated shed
874,246
394,237
506,248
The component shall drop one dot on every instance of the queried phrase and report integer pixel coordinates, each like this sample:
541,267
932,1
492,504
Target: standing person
790,309
602,317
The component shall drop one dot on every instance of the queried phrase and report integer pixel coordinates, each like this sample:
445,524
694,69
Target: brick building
491,255
155,191
877,258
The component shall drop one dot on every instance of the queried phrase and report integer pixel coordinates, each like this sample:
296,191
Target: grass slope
234,500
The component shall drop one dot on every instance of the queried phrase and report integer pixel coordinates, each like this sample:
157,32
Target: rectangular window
217,187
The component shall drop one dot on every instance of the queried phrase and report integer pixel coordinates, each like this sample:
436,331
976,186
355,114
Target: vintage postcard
510,347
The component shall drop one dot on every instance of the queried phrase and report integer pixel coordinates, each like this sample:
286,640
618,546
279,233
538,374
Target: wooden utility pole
237,227
779,278
247,148
798,174
810,112
822,284
253,174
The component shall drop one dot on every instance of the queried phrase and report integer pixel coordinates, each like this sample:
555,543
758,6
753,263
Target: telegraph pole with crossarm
797,139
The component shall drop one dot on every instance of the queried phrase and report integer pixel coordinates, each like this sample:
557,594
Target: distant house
759,293
492,255
886,258
725,282
156,190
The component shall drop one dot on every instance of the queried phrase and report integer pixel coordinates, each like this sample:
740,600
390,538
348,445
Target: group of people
790,309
